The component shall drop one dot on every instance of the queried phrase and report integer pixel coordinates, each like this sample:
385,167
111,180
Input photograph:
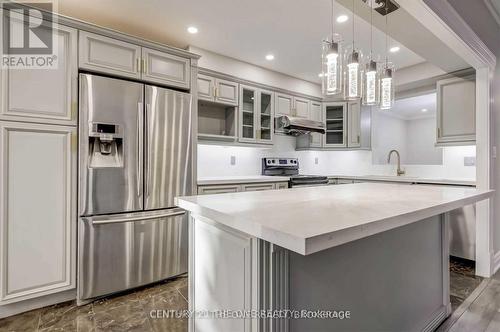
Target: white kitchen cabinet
456,111
236,289
44,95
218,90
218,189
107,55
284,104
256,115
335,114
226,92
354,125
38,177
316,114
257,186
301,107
206,87
281,185
163,68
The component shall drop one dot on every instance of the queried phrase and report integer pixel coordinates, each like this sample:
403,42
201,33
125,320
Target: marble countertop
311,219
262,178
408,179
241,179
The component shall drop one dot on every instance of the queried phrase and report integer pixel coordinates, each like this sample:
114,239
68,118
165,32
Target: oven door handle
132,219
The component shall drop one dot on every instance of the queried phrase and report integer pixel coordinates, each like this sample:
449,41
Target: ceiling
248,30
411,108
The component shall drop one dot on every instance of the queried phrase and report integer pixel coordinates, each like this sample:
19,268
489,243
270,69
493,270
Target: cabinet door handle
138,65
358,139
216,92
144,65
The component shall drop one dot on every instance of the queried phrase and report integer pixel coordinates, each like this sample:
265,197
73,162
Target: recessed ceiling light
394,49
269,57
424,110
342,18
192,30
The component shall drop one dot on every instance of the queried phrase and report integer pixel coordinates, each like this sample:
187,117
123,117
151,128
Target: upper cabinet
163,68
218,90
284,104
111,56
44,95
336,124
354,124
301,107
107,55
291,106
456,111
316,114
256,115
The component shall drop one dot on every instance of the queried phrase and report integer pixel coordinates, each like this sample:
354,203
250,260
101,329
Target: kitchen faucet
399,171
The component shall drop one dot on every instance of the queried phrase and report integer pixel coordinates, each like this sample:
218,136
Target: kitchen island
376,251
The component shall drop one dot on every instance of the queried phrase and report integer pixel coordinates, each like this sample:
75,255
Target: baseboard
27,305
496,262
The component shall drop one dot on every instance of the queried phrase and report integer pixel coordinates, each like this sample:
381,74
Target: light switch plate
233,160
469,161
316,160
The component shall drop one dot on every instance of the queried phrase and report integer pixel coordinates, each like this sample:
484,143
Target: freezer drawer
118,252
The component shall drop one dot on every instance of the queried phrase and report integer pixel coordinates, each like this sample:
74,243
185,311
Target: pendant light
387,80
332,61
352,90
371,90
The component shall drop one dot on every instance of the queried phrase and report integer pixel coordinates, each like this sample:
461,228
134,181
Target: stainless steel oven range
290,167
134,158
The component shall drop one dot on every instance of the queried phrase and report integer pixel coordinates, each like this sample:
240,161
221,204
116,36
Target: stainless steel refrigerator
135,156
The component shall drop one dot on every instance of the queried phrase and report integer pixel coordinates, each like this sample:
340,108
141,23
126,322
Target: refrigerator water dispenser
106,146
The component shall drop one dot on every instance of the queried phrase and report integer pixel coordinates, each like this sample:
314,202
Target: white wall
214,161
388,133
247,71
413,138
420,140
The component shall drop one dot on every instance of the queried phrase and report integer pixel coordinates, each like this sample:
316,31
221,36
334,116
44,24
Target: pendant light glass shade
352,75
332,66
371,87
387,87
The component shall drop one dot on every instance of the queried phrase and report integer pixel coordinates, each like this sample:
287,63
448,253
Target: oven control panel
281,162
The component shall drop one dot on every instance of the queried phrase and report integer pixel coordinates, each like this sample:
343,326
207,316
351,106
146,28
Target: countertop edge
307,246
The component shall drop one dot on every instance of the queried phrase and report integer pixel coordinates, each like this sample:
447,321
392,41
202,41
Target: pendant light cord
386,35
371,31
333,19
353,25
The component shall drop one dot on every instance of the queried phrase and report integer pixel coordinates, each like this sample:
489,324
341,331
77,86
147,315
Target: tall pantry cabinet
38,174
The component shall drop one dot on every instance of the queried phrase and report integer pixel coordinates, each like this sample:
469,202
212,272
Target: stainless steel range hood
299,126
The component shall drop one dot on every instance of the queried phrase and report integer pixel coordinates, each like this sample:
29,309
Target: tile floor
131,312
128,312
462,280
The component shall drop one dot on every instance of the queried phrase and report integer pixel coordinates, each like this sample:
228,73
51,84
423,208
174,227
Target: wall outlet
469,161
316,160
233,160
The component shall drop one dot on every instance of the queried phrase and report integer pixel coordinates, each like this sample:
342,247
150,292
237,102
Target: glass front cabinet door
336,124
256,115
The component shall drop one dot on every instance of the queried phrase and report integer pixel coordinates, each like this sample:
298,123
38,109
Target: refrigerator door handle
140,126
147,148
140,218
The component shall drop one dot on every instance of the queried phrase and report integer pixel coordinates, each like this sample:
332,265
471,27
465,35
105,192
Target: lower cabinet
233,188
38,177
